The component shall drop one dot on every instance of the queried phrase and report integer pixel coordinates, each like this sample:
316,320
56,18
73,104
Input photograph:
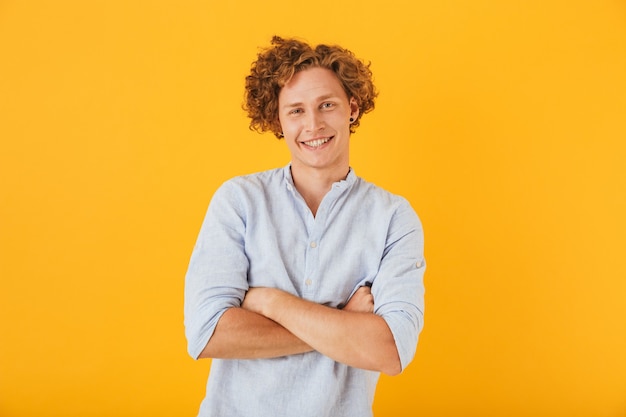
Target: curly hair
276,65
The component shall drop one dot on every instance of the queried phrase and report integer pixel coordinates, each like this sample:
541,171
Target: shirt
259,232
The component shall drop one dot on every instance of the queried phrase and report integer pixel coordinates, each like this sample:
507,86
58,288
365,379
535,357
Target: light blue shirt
259,232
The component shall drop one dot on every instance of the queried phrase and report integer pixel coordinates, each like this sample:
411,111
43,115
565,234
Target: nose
314,121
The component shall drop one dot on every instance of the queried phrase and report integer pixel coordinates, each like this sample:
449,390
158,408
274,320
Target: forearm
243,334
362,340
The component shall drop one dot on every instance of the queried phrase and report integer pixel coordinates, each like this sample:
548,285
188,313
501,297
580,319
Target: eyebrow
320,98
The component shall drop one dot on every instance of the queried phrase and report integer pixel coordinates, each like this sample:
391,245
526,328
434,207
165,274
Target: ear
354,108
277,129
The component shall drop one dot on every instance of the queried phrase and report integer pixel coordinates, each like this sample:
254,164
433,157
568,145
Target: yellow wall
503,122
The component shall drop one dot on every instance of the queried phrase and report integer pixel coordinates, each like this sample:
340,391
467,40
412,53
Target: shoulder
374,194
256,179
383,204
245,191
251,183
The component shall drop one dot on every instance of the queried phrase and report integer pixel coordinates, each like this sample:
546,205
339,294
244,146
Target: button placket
312,256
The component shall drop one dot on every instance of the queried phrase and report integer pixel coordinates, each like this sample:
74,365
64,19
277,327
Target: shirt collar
345,183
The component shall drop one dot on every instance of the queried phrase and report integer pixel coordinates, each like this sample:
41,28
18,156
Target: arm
384,341
215,287
350,336
243,334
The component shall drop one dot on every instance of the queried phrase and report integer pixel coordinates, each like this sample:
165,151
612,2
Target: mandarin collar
344,183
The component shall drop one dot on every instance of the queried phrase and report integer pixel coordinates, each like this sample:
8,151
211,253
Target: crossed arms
272,323
239,301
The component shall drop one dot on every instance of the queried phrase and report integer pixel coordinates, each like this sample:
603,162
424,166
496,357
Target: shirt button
313,244
308,281
419,264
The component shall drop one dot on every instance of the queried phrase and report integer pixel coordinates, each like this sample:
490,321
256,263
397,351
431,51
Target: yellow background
503,122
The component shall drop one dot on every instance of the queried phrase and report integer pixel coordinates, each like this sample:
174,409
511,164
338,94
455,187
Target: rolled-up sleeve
216,278
399,285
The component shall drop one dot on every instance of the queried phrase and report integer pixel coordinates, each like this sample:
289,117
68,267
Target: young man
306,281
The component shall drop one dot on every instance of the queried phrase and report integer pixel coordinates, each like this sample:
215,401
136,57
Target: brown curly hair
276,65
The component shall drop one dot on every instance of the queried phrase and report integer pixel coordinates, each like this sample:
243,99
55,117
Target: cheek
341,122
289,128
282,124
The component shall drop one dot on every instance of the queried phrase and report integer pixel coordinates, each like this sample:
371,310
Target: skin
313,108
359,339
243,334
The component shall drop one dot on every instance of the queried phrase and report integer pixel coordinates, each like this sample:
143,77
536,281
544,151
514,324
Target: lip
327,138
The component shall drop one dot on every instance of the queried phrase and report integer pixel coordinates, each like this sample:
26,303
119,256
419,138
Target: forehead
311,84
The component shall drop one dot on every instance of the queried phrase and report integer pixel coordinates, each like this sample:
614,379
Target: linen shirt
259,232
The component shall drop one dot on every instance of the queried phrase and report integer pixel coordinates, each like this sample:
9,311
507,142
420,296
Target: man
306,282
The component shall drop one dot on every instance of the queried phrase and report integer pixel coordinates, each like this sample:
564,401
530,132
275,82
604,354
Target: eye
295,111
327,105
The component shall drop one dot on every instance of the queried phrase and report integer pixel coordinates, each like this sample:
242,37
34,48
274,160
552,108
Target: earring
351,119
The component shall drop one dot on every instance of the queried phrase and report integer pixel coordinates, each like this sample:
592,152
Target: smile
315,143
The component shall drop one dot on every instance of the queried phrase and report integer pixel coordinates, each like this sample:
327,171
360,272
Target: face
314,113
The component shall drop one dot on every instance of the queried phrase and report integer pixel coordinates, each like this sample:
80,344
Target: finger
365,290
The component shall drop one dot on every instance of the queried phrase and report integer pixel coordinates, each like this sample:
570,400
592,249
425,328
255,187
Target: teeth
317,142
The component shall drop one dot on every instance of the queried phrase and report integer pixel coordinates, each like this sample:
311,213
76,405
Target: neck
313,184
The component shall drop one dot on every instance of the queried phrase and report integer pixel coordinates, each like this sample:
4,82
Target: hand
257,299
362,301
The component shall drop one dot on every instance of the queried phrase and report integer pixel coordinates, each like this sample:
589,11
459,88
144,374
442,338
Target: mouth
316,143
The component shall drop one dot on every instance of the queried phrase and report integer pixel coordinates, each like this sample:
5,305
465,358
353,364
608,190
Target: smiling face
314,113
